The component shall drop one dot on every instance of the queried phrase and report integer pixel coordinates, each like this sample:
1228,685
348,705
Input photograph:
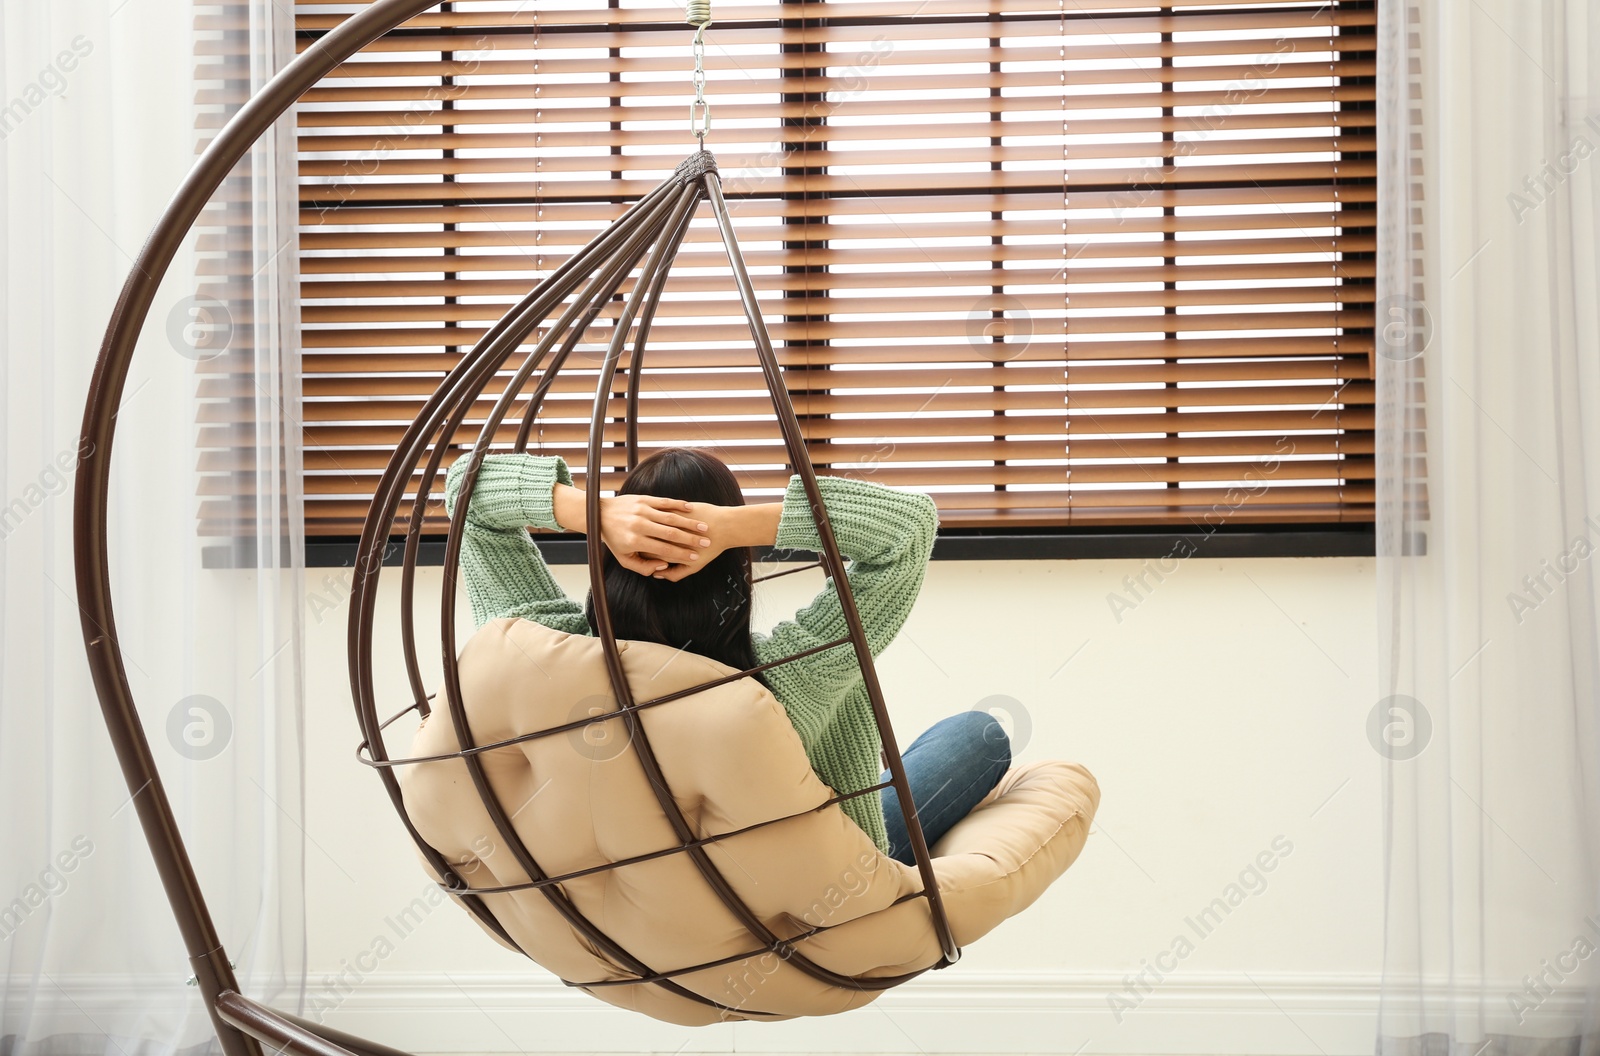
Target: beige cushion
732,759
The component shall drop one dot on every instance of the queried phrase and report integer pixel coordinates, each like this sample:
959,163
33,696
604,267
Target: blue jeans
955,763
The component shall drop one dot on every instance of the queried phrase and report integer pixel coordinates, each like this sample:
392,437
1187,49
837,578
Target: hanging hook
698,14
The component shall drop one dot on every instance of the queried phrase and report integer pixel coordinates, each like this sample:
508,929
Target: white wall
1226,710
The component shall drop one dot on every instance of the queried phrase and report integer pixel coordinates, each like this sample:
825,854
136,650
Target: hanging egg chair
696,870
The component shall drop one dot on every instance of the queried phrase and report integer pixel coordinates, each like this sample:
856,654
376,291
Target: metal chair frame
656,224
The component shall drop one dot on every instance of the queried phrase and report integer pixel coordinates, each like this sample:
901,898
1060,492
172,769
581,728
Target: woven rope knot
696,165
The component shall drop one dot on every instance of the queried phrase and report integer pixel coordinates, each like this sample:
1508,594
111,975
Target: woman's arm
571,507
755,524
888,535
504,572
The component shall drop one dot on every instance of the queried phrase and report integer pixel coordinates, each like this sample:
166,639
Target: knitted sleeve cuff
511,490
870,520
537,476
797,527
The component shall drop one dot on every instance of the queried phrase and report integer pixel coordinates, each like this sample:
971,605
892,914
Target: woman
678,537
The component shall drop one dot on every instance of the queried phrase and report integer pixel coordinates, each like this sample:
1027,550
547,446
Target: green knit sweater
887,534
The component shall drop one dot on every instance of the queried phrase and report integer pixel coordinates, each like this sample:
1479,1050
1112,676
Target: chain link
700,123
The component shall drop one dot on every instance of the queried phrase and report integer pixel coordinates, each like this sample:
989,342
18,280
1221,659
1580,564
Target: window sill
970,544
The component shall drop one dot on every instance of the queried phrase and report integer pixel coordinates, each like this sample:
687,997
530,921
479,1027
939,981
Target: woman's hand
648,533
713,526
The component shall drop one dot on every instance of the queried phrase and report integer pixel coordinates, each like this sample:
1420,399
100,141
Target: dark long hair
707,612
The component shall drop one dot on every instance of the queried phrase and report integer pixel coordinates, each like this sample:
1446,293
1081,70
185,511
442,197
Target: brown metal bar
507,336
786,572
800,463
464,384
638,737
421,704
273,1028
359,1046
461,386
538,305
589,305
213,974
524,431
636,364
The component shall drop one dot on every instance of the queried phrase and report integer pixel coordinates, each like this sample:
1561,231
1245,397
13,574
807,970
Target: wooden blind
1054,263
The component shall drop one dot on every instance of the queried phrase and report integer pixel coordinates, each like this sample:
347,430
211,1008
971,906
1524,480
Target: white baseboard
955,1011
1033,1013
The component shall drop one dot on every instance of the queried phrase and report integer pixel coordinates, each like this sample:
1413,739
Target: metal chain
698,14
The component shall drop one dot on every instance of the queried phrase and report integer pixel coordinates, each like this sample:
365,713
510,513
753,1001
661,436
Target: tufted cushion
731,759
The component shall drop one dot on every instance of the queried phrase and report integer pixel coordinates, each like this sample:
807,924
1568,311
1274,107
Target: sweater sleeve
888,535
504,572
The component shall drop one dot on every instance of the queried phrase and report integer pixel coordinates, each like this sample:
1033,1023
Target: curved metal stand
658,221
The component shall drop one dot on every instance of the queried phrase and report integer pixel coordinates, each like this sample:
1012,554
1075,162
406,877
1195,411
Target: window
1059,265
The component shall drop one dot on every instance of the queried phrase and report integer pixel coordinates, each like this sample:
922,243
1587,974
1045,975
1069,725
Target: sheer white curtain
105,104
1489,525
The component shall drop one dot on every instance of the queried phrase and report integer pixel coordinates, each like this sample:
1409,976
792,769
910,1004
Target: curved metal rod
91,489
464,384
636,362
629,235
800,463
595,298
638,737
588,306
809,933
458,390
461,384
